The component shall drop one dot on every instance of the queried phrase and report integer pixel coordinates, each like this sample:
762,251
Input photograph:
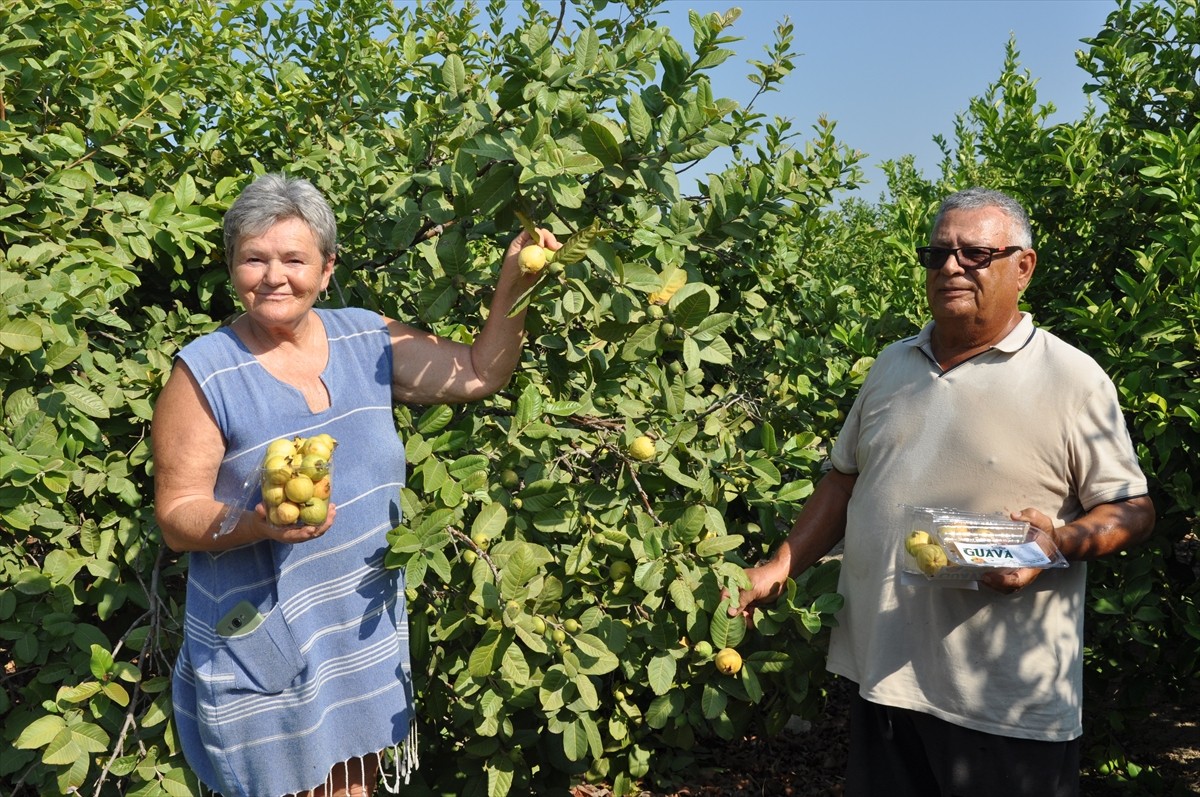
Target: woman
306,699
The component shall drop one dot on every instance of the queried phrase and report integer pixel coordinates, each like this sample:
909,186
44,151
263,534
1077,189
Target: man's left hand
1016,579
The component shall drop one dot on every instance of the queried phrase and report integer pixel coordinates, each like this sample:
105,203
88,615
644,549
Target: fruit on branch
728,661
642,449
533,258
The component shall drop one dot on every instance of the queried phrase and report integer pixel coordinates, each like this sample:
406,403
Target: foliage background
561,594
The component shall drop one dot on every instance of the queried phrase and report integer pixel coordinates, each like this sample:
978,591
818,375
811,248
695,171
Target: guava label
1025,554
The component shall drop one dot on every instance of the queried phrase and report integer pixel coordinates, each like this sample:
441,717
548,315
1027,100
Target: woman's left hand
427,369
545,239
293,535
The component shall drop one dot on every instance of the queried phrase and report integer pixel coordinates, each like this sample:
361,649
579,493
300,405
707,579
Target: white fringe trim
405,761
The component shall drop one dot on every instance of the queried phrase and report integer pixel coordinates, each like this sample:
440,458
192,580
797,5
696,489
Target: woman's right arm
188,449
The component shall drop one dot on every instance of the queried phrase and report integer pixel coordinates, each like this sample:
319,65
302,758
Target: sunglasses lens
932,256
976,255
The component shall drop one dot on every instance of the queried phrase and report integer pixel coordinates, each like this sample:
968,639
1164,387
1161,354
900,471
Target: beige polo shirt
1033,422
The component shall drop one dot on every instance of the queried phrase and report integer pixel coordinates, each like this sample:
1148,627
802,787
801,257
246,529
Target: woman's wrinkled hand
293,535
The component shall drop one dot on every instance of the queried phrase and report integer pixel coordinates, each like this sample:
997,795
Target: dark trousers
900,753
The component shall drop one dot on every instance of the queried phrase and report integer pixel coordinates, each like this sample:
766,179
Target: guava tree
566,590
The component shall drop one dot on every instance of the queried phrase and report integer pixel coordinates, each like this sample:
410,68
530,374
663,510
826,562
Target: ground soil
810,762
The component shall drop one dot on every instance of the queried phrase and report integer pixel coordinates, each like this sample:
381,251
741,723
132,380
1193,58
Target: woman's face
279,274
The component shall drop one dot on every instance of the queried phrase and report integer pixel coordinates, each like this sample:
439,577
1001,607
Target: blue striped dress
325,678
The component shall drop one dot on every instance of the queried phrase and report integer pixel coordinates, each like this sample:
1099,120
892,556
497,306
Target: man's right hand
821,524
766,585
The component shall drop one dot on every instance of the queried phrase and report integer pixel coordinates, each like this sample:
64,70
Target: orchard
570,545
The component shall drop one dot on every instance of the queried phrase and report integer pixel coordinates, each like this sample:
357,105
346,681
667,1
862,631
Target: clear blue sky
892,73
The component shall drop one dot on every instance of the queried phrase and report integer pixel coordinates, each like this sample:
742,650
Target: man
969,691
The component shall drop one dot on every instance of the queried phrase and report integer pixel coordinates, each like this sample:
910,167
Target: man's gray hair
978,198
273,198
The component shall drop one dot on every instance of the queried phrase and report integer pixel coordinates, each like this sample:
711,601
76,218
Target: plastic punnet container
943,544
290,486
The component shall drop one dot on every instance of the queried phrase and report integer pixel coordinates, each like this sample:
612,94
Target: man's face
980,298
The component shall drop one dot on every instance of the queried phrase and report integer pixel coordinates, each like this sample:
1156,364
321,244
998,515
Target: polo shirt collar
1014,341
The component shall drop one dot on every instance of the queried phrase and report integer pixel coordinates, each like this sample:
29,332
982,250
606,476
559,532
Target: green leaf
682,596
60,355
595,657
416,449
158,712
562,408
640,123
490,146
495,190
62,749
100,662
663,708
713,325
751,684
726,632
575,740
490,521
454,75
529,407
116,693
670,468
660,673
486,657
74,179
70,779
500,773
84,400
40,732
829,603
172,104
519,570
433,523
433,475
185,191
438,298
600,142
542,495
692,304
514,666
794,491
641,344
717,352
765,470
713,701
175,784
587,47
576,247
714,546
90,738
20,335
466,466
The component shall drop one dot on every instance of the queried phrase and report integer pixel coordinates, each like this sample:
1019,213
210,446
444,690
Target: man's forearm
821,524
1106,529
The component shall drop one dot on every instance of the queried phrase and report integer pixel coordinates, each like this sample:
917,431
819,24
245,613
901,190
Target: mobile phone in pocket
241,619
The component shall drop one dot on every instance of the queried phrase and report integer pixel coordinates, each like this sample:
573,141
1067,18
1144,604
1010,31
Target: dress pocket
266,659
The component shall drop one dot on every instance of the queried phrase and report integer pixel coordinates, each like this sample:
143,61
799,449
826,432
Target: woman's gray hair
273,198
978,198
